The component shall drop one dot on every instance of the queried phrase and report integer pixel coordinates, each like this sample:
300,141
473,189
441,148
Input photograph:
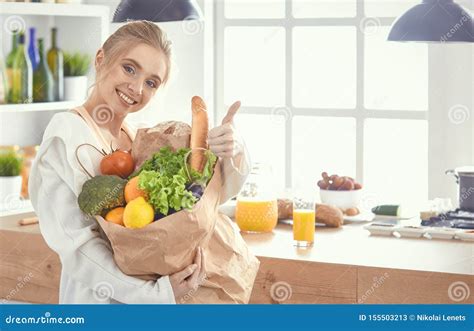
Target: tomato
117,163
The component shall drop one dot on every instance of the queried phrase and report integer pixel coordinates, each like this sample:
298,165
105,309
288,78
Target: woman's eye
151,83
129,69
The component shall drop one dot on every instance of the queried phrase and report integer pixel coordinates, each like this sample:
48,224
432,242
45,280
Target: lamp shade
435,21
157,10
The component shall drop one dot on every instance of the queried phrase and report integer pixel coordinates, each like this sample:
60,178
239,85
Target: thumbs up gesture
222,140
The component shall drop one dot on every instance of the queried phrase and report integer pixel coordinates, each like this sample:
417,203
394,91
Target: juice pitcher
257,207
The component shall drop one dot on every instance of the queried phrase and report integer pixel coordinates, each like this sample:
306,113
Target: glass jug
257,207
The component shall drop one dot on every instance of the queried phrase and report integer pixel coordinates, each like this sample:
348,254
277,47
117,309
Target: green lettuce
166,175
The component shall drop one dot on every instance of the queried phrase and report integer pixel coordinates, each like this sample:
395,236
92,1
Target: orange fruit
132,191
115,215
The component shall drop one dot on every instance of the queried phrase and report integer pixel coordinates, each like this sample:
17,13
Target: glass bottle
43,83
22,75
3,79
257,206
9,63
55,63
32,50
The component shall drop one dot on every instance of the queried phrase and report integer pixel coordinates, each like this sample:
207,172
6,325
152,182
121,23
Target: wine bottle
22,75
55,62
3,80
43,82
9,63
32,50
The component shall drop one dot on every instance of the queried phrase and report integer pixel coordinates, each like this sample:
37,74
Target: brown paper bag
169,244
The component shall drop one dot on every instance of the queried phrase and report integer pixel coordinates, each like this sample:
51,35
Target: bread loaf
171,127
326,214
199,132
147,140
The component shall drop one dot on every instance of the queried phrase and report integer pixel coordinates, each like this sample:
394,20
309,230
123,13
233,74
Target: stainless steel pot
465,178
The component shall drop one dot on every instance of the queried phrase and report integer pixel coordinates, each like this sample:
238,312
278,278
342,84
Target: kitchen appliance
457,219
465,179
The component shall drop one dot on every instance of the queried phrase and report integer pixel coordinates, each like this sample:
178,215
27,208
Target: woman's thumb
188,271
229,117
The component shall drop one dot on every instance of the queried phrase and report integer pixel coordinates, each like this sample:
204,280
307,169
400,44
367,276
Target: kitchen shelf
53,9
39,106
83,27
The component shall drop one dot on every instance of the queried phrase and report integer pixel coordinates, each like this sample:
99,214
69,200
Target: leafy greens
166,176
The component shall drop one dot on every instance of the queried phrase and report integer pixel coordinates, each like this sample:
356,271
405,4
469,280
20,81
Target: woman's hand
223,140
188,280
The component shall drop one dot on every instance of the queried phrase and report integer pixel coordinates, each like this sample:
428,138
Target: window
322,90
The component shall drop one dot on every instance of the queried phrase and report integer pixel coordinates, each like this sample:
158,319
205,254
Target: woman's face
133,79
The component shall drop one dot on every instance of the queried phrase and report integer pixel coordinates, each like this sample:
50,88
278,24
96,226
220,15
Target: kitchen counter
346,265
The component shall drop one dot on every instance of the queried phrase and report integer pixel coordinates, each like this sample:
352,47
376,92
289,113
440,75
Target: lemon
138,213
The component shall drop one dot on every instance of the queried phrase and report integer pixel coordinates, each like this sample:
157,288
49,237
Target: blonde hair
132,34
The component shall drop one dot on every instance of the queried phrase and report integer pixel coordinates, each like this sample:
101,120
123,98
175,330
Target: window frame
360,113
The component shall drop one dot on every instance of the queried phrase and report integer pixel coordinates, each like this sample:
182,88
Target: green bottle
22,75
43,82
55,63
9,63
3,81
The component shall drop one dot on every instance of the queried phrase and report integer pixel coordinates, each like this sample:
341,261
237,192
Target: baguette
199,132
329,215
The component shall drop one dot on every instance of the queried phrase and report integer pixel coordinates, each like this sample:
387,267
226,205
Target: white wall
451,113
188,72
451,123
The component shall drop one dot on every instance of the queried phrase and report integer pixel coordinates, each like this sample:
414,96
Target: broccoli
102,193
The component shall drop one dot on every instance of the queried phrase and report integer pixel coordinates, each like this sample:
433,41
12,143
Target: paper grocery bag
169,244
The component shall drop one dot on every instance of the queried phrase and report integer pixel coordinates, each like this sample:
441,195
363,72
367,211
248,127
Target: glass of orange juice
304,216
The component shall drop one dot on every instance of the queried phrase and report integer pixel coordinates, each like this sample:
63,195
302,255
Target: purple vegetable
196,189
159,215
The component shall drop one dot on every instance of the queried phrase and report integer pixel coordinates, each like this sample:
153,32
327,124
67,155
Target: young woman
131,66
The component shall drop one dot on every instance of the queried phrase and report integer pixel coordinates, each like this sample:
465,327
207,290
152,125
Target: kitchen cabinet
346,265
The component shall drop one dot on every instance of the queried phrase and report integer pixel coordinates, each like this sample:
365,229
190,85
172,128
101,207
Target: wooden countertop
352,245
348,245
346,265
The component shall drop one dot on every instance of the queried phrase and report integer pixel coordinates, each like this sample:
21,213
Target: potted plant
10,176
76,66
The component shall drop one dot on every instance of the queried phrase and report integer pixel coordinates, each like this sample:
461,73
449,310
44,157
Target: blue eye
151,83
129,69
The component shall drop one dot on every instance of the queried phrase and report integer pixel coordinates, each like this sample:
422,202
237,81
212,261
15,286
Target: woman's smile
126,99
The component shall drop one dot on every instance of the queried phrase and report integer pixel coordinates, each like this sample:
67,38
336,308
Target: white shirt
89,273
